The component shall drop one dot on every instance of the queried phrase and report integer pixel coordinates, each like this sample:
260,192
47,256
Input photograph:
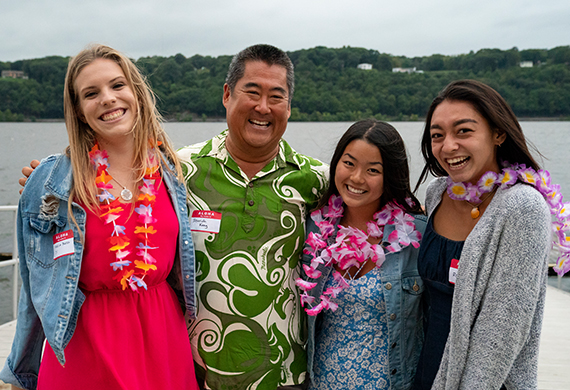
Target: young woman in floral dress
362,288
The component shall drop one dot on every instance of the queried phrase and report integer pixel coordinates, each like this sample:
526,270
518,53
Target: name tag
206,221
63,244
453,270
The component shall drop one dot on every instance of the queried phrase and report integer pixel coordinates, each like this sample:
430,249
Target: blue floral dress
352,343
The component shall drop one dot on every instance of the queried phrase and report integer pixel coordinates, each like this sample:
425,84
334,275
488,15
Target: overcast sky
38,28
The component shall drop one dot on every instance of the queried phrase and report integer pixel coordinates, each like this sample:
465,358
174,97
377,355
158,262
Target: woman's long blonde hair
147,129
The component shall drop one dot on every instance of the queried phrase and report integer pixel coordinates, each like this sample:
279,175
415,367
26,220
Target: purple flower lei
351,247
539,180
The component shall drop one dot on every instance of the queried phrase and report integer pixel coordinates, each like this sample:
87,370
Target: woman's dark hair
396,175
490,105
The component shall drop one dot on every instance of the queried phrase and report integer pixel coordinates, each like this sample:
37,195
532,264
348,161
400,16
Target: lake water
22,142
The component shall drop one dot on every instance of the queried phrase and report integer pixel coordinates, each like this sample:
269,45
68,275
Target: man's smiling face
257,110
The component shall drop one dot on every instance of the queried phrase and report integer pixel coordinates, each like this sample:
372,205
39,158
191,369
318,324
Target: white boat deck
554,358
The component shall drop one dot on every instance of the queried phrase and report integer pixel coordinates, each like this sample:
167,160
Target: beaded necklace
351,248
110,209
541,181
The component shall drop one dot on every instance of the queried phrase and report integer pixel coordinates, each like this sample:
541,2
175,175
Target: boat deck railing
13,262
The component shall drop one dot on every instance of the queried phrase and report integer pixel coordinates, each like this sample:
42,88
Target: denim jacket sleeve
49,297
28,340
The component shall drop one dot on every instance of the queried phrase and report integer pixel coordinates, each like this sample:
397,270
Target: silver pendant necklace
126,194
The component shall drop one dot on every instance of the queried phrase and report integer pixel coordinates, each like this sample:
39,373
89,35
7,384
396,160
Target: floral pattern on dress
352,343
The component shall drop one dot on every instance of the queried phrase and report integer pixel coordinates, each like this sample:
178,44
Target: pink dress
126,339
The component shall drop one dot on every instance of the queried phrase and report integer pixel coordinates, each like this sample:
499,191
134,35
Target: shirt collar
216,148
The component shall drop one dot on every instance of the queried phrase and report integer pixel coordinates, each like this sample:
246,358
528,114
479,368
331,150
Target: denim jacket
403,288
50,299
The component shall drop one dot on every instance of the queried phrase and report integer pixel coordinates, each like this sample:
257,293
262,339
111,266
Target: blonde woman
104,242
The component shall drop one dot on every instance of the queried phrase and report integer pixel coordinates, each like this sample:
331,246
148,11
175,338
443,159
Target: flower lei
110,207
351,247
540,180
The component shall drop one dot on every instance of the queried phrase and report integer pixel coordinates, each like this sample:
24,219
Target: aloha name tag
63,244
206,221
453,270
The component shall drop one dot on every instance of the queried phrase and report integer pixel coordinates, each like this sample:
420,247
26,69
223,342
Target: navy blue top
434,261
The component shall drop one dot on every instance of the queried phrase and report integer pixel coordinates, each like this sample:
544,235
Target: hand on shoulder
27,171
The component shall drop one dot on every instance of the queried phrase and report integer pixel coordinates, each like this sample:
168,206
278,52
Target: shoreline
223,119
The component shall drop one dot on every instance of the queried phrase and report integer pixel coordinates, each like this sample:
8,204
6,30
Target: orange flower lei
110,207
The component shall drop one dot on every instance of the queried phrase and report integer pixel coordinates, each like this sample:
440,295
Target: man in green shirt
250,194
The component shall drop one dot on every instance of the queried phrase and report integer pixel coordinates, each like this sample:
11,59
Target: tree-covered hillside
329,86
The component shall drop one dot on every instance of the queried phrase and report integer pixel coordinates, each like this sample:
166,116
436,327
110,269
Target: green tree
434,62
328,85
560,55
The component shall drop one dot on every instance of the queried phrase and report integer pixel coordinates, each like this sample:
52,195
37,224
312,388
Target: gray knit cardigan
498,302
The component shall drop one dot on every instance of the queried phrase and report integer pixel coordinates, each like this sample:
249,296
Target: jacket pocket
413,285
39,240
412,290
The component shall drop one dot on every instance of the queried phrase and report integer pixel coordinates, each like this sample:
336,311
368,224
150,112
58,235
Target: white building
526,64
406,70
14,74
364,66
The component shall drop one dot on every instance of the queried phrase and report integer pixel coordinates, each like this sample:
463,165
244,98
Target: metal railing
13,262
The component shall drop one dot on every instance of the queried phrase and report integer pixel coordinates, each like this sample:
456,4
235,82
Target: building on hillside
526,64
406,70
14,74
364,66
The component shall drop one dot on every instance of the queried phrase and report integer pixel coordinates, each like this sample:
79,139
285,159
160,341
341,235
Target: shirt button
394,345
185,242
187,276
393,316
394,371
250,203
388,286
250,184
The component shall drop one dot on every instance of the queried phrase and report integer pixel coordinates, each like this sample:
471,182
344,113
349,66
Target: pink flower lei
539,180
351,247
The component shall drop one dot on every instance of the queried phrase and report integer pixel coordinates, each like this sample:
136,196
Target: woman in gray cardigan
484,254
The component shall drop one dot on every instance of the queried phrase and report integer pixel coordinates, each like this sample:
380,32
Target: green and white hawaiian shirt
248,237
